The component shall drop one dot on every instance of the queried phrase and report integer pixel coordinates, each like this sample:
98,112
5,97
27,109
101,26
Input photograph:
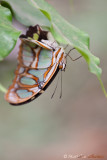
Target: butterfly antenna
69,51
55,87
61,86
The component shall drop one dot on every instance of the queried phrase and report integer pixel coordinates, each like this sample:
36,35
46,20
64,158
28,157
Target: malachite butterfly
39,60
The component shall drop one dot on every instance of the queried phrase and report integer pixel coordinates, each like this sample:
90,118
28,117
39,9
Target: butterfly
39,60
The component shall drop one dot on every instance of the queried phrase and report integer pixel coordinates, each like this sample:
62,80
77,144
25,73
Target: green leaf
66,33
63,30
27,14
8,34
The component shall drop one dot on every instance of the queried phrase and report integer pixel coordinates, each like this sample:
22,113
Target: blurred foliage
25,13
8,34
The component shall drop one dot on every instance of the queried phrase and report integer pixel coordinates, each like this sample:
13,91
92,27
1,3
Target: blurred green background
76,124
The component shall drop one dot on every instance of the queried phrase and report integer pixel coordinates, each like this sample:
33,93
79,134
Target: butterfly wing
36,67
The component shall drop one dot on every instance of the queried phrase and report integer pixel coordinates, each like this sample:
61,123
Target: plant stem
102,86
3,89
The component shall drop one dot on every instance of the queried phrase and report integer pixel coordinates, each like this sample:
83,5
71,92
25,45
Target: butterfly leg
75,58
71,57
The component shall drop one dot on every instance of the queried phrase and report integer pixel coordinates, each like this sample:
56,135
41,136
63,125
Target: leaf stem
3,89
102,86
